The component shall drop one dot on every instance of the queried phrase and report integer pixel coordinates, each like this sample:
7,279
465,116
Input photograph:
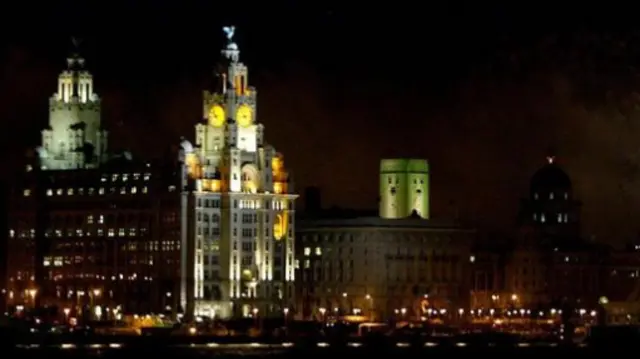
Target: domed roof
550,177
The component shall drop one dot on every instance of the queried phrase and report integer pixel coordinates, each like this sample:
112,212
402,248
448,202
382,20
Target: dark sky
483,92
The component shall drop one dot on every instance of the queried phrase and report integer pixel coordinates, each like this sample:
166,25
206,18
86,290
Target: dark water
162,351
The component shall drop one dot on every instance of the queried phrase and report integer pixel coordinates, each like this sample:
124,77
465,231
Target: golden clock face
244,115
216,116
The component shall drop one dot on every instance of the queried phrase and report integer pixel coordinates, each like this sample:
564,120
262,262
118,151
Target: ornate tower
74,138
238,206
404,188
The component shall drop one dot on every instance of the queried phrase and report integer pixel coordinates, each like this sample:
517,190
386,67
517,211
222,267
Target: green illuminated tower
393,191
418,187
404,188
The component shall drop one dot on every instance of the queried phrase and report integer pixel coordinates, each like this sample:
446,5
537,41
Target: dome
550,177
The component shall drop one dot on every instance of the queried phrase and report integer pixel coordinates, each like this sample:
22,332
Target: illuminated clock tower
237,207
74,138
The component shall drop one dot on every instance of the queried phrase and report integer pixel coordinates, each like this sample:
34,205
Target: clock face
279,226
216,116
244,115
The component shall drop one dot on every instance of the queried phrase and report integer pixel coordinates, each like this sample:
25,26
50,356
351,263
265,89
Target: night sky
483,92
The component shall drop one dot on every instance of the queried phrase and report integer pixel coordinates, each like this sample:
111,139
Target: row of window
544,218
86,275
247,218
246,232
552,196
403,274
111,219
247,204
351,238
100,232
92,191
124,177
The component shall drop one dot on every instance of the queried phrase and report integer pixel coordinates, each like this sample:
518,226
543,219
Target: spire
75,60
231,52
551,155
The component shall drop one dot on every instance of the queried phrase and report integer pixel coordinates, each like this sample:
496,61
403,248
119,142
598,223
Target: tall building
396,264
90,228
550,263
237,206
404,188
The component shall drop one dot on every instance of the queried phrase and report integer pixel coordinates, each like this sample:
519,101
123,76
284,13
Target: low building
393,263
382,267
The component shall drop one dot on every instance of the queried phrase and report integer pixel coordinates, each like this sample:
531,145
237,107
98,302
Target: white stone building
74,138
237,207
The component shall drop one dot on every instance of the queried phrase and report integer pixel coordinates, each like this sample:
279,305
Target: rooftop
341,218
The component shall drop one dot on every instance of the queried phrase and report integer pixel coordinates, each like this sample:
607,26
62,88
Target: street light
94,294
369,300
32,294
66,315
286,315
